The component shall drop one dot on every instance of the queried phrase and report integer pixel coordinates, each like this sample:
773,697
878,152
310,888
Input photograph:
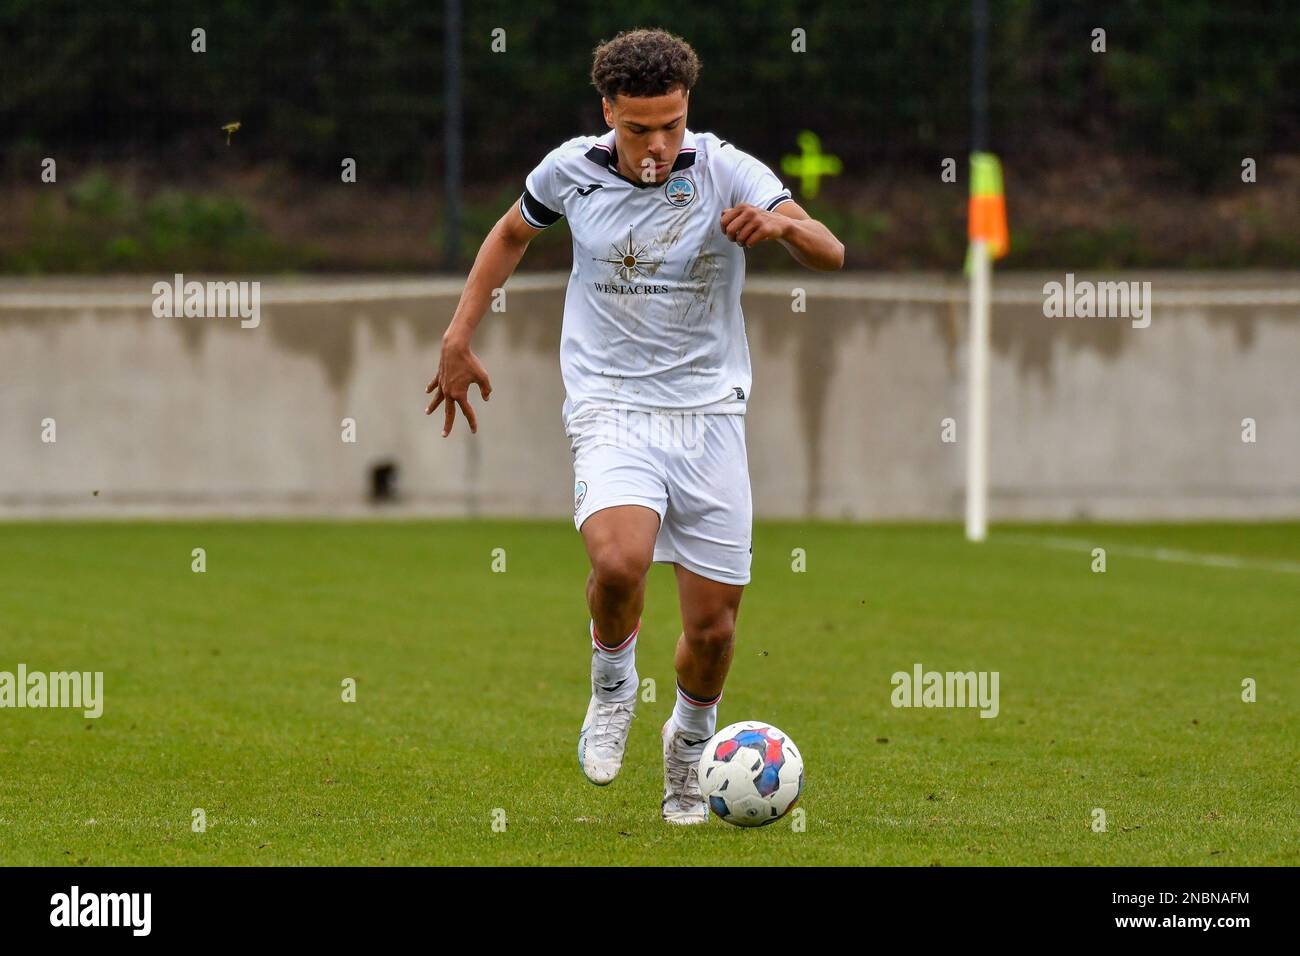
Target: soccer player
656,375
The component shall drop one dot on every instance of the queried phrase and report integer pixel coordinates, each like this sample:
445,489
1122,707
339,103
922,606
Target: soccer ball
751,773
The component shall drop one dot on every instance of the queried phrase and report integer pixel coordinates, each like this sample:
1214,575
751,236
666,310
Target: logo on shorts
679,191
579,494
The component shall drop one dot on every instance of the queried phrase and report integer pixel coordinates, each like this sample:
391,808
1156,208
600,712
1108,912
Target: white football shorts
690,468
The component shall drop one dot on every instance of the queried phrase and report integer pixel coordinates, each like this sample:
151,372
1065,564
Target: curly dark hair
644,63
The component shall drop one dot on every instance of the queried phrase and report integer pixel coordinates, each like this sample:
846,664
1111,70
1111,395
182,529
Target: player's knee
618,573
714,633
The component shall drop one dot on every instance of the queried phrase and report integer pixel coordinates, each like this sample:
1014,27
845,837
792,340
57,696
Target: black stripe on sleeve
536,214
785,196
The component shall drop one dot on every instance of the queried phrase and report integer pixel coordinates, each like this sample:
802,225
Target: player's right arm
458,366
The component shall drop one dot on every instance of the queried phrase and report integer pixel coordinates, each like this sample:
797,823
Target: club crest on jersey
579,494
679,191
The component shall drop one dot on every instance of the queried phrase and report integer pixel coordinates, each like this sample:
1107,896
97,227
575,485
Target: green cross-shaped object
812,165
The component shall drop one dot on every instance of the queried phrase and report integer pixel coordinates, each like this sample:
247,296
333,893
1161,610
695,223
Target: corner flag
988,207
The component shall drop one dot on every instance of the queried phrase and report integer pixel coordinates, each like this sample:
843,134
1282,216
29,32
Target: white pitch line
1173,555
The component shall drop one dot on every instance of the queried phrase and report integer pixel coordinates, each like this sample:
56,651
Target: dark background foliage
1191,83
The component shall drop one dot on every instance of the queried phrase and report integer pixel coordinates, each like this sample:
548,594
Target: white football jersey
652,314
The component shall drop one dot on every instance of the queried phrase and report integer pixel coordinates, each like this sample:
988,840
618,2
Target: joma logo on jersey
589,188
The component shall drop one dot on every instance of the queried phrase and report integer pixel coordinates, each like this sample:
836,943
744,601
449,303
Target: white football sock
697,718
613,669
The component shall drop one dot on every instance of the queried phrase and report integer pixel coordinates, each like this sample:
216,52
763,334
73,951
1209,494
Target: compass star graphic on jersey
628,259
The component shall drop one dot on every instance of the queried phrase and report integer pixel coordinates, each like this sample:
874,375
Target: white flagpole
977,410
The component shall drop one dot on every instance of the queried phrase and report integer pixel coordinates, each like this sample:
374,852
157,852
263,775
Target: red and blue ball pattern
770,748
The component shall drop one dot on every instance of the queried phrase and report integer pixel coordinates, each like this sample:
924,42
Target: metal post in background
453,152
979,76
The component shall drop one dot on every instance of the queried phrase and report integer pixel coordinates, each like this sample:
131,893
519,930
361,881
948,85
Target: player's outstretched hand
748,225
458,368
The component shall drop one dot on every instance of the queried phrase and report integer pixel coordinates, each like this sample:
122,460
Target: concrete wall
1090,417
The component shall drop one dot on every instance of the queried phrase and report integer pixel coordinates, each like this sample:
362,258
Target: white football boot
604,737
683,802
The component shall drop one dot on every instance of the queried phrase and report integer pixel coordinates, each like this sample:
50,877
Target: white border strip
942,290
291,293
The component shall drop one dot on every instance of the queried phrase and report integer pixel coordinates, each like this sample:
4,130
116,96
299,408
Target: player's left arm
810,242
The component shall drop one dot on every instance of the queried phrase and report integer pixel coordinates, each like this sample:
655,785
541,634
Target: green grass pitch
1120,691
